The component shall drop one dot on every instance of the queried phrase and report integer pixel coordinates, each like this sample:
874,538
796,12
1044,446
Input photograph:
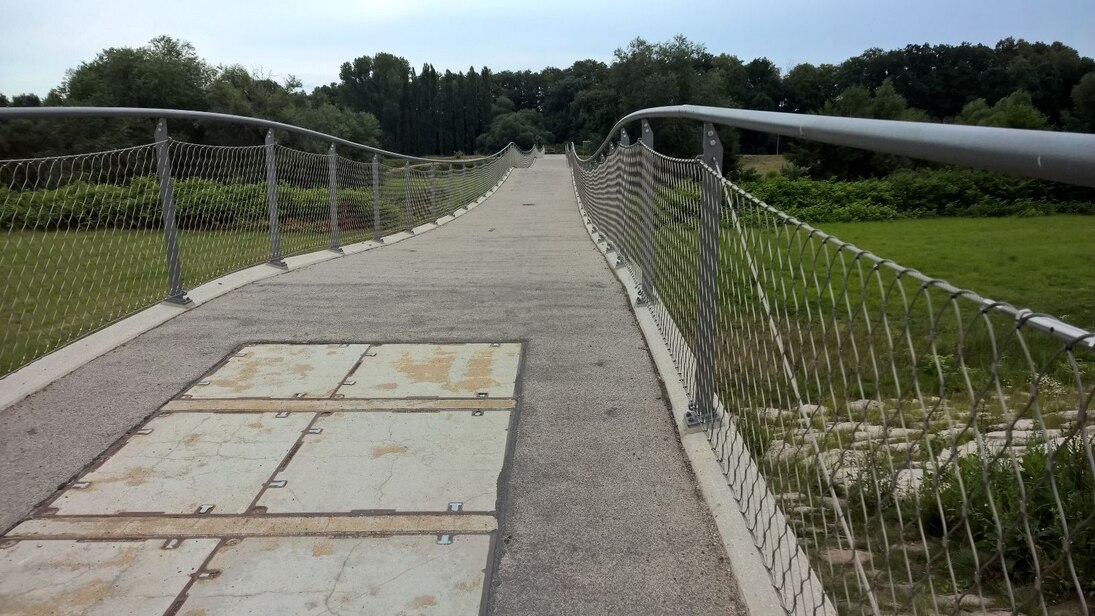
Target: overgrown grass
848,331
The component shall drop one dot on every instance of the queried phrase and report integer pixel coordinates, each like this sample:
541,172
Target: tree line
383,100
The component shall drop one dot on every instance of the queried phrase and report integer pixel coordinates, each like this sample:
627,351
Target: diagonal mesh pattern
91,238
896,445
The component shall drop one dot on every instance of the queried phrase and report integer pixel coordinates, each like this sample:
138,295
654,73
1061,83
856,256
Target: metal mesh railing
91,238
896,445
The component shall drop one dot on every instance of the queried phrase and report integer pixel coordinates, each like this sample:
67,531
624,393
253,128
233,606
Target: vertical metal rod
626,242
332,190
646,218
433,192
376,199
407,224
708,277
272,200
175,292
454,191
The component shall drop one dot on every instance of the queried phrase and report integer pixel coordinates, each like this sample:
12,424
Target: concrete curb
754,581
45,370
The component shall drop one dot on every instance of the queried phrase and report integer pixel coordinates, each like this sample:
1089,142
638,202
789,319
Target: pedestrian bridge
519,384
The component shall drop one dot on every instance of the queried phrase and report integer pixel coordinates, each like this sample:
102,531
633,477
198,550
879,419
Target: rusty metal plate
406,462
146,526
338,404
477,370
185,461
281,371
96,578
319,575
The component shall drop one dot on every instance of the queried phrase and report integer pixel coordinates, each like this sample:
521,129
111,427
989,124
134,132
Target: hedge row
200,204
920,193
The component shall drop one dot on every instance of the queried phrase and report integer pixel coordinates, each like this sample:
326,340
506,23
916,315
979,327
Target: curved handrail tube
1047,155
21,113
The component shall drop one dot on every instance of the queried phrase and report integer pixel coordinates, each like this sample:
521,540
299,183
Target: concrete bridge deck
598,511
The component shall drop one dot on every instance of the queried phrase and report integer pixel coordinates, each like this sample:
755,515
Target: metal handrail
1047,155
20,113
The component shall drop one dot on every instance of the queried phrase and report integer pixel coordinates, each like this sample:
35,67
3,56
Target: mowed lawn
1043,263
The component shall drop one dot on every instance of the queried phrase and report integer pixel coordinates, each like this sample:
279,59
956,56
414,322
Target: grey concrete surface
600,513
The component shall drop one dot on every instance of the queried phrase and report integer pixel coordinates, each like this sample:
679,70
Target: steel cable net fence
896,445
91,238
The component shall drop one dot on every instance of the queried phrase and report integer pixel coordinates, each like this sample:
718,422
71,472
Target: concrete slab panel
96,578
186,461
404,462
319,575
281,371
477,370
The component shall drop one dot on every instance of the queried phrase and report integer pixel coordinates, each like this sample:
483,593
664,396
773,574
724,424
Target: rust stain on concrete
478,376
242,381
72,601
380,452
323,548
469,586
424,601
137,475
434,370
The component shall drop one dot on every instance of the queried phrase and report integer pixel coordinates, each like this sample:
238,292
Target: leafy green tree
379,85
827,161
1082,116
806,87
238,92
165,73
525,128
26,100
1013,111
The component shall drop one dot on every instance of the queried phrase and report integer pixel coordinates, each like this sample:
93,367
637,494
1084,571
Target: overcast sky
39,40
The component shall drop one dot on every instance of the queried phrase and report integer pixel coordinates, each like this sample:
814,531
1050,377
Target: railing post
626,242
407,219
646,218
433,192
376,199
708,279
175,292
332,190
272,200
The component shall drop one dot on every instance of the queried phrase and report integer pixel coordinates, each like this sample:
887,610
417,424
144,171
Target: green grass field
763,163
61,285
1045,263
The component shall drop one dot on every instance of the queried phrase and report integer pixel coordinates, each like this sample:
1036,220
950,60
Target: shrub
199,204
920,192
990,484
